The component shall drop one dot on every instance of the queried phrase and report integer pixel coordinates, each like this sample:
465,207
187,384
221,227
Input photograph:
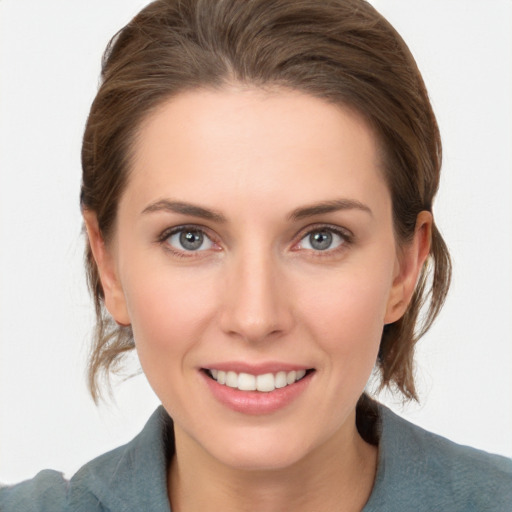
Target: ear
408,267
114,297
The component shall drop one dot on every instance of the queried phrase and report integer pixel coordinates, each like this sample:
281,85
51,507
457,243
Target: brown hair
343,51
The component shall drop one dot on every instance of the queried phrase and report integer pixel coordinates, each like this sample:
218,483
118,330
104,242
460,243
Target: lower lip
257,402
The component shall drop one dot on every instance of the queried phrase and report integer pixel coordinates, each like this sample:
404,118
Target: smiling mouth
264,383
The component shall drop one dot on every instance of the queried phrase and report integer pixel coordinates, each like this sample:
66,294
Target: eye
323,239
189,240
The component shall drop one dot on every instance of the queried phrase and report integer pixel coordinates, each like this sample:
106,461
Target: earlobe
408,268
114,297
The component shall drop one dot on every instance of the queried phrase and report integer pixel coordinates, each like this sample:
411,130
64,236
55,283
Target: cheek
169,311
346,313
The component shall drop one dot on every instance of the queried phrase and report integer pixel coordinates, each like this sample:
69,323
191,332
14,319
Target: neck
337,475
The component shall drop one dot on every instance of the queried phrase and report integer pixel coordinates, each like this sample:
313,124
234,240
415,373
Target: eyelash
346,236
166,234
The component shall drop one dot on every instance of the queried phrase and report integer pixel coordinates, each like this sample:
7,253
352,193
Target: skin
258,291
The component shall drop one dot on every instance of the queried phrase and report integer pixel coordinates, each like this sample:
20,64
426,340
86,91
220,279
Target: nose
256,306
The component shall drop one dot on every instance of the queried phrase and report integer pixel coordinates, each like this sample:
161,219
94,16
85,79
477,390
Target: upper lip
255,368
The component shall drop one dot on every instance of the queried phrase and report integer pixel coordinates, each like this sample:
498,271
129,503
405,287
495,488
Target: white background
50,53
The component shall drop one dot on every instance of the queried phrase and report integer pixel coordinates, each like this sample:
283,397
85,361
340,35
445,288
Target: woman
258,180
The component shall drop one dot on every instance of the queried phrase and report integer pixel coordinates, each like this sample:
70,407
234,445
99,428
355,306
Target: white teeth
300,374
281,380
265,383
291,376
246,382
232,379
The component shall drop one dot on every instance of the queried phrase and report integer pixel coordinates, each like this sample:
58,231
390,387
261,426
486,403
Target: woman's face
255,244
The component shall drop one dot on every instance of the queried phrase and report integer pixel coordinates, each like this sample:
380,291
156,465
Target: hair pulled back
342,51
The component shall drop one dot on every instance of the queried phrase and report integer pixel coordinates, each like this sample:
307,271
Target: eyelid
344,233
168,232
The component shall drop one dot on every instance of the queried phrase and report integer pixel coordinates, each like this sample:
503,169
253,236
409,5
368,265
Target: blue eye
322,240
189,240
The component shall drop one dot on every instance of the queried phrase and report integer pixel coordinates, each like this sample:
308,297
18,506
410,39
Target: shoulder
47,491
132,477
129,478
428,472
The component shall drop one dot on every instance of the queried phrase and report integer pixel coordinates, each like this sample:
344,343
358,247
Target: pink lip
256,402
255,369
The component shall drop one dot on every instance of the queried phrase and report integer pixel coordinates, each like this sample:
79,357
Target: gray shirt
417,471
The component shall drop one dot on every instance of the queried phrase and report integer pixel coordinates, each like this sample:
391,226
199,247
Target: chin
261,449
259,460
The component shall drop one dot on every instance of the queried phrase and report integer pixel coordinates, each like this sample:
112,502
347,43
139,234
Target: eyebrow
328,207
323,207
166,205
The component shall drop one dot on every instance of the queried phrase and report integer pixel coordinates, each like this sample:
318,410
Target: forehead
246,140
